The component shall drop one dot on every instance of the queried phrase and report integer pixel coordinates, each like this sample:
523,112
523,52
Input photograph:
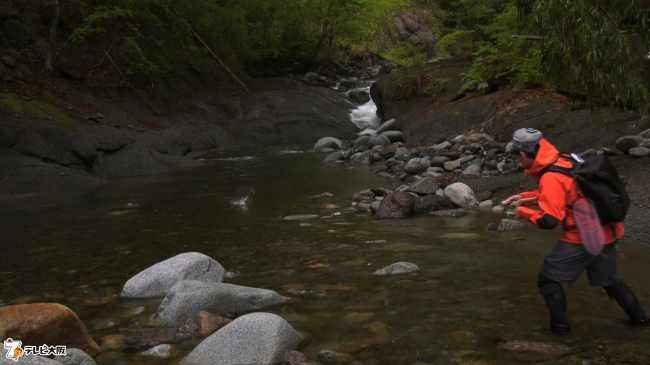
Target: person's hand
513,201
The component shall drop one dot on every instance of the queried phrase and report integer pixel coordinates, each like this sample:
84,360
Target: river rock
299,217
639,152
508,225
546,348
397,205
424,186
440,147
389,152
472,170
397,268
417,165
328,142
29,360
461,195
645,134
449,213
75,357
499,209
45,323
486,204
333,157
156,280
439,161
361,142
393,136
189,297
160,351
479,137
430,203
361,158
380,140
628,142
256,338
387,126
362,195
311,77
402,154
359,96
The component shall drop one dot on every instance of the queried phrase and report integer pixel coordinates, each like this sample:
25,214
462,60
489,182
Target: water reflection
474,287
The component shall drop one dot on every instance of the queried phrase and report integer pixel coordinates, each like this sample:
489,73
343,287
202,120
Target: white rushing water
365,116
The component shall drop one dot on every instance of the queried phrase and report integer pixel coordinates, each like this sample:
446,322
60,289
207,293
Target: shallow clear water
473,290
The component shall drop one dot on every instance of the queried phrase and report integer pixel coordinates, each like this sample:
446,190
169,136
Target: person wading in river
565,263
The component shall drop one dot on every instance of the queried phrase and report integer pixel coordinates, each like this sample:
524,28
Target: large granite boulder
461,195
328,142
189,297
256,338
156,280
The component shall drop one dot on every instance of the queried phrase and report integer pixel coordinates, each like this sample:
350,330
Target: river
475,287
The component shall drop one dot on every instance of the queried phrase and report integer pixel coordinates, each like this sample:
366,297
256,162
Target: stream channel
474,289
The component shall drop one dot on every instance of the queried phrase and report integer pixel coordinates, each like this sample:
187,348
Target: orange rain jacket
555,193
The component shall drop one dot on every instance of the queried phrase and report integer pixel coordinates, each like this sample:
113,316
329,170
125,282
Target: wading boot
625,297
556,303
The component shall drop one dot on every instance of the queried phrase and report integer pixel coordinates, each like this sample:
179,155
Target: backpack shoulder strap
569,171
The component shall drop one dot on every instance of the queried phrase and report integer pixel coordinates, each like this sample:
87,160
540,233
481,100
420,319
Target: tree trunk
51,46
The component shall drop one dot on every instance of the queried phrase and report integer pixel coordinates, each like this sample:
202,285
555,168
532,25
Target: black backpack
598,180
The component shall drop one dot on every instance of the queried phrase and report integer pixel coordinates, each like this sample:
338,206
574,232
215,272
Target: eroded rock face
46,324
397,205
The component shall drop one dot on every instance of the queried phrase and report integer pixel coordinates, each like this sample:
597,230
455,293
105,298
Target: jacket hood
546,156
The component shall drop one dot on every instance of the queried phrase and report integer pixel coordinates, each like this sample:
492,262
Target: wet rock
156,280
380,140
160,351
75,357
628,142
311,77
546,348
393,136
389,125
508,225
375,157
397,205
374,206
417,165
472,170
361,158
29,360
325,195
487,204
450,213
361,142
328,142
645,134
359,96
189,297
491,227
639,152
442,146
389,152
424,186
461,195
645,143
113,342
588,153
499,209
458,139
333,157
45,323
257,338
203,324
362,195
439,161
300,217
294,358
397,268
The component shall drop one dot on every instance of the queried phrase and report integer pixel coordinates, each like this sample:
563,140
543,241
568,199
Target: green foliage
513,59
415,81
587,48
458,44
406,55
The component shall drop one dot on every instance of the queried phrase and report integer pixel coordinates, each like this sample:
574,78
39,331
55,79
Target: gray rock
385,175
362,195
393,136
442,146
491,227
424,186
397,205
157,280
439,161
431,174
402,154
478,162
380,140
28,360
472,170
334,156
486,204
437,170
645,143
628,142
160,351
374,206
430,203
189,297
256,338
639,152
361,142
74,357
311,77
397,268
645,134
452,165
361,158
507,225
479,137
375,157
458,139
360,97
300,217
325,195
461,195
498,209
588,153
417,165
377,149
328,142
327,150
387,126
449,213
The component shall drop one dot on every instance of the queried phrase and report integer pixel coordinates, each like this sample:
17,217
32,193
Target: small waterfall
365,116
